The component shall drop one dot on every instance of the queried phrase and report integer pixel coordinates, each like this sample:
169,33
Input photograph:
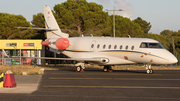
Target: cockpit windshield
150,45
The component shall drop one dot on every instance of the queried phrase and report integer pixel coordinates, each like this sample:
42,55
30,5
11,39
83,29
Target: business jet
104,51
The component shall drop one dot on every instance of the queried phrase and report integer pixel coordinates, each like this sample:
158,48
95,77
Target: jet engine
60,43
105,60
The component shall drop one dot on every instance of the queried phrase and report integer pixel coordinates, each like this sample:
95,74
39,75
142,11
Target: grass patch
30,70
18,69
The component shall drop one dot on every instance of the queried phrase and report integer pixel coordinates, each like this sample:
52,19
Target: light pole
114,18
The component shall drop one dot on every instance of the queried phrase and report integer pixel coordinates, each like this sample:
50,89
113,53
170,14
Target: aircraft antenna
129,36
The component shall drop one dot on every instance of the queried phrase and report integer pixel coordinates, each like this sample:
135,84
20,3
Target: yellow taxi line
57,78
131,87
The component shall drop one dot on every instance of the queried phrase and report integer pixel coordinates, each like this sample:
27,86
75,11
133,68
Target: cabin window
115,46
132,48
126,47
109,46
98,46
150,45
92,46
144,45
121,47
155,45
104,46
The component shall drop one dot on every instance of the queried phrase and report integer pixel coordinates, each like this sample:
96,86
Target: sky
162,14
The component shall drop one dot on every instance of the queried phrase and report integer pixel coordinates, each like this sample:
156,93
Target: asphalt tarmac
95,85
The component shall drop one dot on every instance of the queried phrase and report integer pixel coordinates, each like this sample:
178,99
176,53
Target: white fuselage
118,50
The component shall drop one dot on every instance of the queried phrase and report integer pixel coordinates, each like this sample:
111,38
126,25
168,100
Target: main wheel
78,69
109,68
151,71
105,69
148,71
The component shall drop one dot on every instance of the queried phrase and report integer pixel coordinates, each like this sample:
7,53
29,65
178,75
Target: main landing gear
80,67
148,68
107,69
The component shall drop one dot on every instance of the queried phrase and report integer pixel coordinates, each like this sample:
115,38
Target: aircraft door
93,45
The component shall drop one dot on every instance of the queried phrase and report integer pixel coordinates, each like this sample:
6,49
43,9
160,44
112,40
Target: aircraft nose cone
174,60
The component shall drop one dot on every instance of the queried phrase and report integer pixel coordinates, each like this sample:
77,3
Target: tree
125,27
145,26
8,22
39,21
86,18
167,33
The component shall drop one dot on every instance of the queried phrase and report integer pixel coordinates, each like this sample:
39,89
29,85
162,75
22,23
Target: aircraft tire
78,68
105,69
148,71
151,71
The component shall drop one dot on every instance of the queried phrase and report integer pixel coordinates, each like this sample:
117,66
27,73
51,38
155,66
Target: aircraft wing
94,59
47,29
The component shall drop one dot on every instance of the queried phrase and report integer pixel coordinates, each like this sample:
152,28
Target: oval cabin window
126,47
98,46
92,46
121,47
132,47
115,46
104,46
109,46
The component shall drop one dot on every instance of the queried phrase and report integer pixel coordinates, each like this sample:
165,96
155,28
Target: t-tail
50,23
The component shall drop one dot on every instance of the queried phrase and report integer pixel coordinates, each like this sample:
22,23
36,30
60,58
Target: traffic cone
110,71
9,80
1,80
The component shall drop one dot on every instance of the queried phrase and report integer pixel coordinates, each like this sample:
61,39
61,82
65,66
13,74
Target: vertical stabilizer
50,23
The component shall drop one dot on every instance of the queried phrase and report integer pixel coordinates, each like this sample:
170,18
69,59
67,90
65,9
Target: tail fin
50,23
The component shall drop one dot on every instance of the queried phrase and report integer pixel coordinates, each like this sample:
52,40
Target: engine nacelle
62,43
105,60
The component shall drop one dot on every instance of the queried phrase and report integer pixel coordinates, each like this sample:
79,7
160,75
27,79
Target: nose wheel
149,71
148,68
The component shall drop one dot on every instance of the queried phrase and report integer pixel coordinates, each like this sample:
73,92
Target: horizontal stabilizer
4,53
42,28
47,29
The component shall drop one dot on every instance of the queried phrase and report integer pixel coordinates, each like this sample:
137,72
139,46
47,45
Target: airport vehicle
104,51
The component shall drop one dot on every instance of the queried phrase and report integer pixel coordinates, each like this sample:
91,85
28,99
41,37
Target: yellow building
27,48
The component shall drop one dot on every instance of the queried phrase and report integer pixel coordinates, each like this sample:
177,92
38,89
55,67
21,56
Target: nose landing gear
148,68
